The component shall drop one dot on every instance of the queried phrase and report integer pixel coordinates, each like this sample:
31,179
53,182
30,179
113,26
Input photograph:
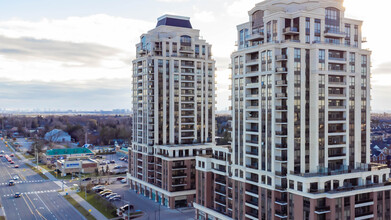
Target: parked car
86,179
122,158
105,191
2,152
99,190
120,178
16,166
117,167
105,194
112,161
111,195
16,177
115,198
12,155
12,162
97,187
123,181
1,155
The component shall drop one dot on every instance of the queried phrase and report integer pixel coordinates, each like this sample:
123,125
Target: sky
76,55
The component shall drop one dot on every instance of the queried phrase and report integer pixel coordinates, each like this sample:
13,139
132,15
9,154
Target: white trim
167,193
211,212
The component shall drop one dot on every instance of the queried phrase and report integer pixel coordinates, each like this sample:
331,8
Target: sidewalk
87,206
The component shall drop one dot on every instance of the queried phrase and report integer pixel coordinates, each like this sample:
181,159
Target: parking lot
151,209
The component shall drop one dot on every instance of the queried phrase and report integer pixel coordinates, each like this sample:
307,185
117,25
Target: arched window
332,20
185,40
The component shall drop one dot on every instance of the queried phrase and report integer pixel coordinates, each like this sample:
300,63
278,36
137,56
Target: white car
16,177
97,187
123,181
111,195
114,198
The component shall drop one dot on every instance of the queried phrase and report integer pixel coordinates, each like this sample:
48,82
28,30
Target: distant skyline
77,54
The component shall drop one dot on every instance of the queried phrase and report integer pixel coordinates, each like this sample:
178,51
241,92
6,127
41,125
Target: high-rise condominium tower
173,111
300,127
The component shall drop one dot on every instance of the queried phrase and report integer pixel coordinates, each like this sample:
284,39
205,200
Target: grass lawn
37,171
101,204
79,208
28,156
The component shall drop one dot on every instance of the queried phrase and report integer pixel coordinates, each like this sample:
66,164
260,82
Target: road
39,198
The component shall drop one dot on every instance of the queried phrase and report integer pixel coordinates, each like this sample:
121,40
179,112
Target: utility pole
36,154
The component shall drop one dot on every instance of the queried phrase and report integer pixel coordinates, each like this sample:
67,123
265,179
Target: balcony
282,133
365,215
282,146
253,202
253,179
256,36
254,130
281,120
253,85
280,214
281,70
281,159
334,33
252,141
281,95
337,107
253,152
252,118
253,190
291,31
281,83
281,173
220,180
252,166
252,96
281,108
179,167
282,57
186,49
322,209
338,59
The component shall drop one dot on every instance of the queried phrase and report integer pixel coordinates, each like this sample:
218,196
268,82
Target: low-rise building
51,156
76,165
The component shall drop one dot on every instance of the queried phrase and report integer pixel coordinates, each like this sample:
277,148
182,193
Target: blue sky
72,54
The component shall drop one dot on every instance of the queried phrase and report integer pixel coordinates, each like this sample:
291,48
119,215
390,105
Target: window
307,30
297,54
332,20
317,26
185,40
322,55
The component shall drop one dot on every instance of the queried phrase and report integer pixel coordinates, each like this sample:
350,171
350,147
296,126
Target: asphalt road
39,198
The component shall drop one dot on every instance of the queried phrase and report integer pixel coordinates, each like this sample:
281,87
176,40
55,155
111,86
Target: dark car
120,178
112,161
86,179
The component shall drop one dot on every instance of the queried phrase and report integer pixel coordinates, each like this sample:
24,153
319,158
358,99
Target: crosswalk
31,181
34,192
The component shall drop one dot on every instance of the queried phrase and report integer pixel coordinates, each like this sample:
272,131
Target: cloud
172,1
239,8
204,16
103,94
78,54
